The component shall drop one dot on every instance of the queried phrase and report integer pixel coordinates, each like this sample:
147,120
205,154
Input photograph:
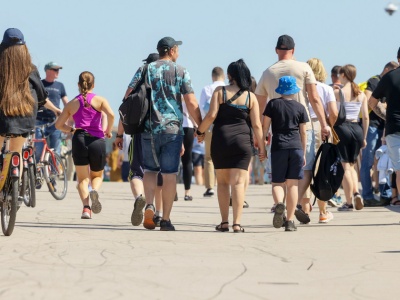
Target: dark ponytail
239,72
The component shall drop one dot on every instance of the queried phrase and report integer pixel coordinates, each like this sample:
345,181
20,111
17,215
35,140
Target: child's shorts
287,164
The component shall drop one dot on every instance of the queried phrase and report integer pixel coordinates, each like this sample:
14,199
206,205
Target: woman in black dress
234,111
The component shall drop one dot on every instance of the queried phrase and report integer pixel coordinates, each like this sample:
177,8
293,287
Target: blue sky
110,38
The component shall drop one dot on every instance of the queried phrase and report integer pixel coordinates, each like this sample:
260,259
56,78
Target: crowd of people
280,122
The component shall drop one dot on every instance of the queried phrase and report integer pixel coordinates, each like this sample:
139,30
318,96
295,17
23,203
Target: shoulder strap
237,95
247,99
223,94
341,96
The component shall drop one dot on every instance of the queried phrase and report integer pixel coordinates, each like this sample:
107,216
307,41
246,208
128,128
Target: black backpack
327,172
134,110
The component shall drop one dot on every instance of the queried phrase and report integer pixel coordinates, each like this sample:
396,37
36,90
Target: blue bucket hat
287,86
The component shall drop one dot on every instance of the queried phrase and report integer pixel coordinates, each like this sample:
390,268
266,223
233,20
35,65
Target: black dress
231,144
19,125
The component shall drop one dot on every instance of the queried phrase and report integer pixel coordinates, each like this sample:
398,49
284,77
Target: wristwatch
119,136
199,133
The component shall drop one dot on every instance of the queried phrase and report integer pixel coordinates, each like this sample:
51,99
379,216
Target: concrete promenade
53,254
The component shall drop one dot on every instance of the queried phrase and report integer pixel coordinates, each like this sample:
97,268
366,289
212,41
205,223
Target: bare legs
84,177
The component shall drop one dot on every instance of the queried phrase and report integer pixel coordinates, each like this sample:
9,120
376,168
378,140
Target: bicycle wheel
31,186
55,175
23,193
9,205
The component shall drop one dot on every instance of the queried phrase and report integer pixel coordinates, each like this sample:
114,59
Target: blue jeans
53,139
374,136
163,153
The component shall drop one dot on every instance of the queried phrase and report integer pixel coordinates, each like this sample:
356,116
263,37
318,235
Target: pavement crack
312,263
229,282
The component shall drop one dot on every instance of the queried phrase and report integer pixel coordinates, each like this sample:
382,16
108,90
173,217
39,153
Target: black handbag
342,111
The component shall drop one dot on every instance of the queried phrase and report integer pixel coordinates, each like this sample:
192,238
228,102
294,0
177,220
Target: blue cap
287,86
13,36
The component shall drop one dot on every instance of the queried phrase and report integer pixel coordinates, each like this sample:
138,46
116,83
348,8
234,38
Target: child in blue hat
288,118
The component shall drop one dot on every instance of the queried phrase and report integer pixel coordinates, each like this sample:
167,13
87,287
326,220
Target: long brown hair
350,73
86,83
15,67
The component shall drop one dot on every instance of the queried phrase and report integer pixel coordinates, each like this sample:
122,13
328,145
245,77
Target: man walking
305,80
163,135
374,135
57,94
218,79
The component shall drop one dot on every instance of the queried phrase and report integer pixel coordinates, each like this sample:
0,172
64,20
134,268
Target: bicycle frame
10,164
45,150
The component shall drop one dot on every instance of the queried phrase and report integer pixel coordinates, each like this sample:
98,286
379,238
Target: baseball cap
52,65
167,42
285,42
152,57
13,36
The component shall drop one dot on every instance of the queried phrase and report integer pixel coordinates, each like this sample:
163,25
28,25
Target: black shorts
136,160
287,164
351,138
197,159
88,150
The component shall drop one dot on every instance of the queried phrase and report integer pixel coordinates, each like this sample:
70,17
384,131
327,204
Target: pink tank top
87,118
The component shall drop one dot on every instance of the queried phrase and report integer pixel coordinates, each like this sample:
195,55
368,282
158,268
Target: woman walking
88,144
235,111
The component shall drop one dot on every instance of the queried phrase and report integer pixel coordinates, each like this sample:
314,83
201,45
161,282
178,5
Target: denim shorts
393,144
310,150
163,154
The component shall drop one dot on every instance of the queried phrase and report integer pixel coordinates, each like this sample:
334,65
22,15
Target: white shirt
125,146
326,95
205,96
187,122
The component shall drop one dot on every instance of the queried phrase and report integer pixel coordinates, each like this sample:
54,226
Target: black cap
167,42
398,53
13,36
285,42
152,57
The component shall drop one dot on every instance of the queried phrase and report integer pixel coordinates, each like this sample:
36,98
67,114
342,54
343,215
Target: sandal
237,230
395,202
222,229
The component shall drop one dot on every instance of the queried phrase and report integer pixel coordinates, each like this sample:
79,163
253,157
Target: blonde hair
15,94
86,83
318,68
350,72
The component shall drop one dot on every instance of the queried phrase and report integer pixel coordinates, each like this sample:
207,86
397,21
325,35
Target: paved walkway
53,254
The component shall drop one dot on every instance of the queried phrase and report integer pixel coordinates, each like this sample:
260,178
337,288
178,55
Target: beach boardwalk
53,254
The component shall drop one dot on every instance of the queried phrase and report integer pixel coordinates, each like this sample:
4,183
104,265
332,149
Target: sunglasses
55,70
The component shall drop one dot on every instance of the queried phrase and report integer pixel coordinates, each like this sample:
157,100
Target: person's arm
67,112
105,107
193,107
212,113
52,107
303,136
64,100
262,102
119,140
318,108
378,107
332,108
365,119
256,125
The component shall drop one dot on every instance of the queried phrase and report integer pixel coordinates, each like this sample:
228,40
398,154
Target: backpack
134,110
327,172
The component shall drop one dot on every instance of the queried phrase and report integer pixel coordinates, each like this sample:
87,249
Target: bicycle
9,187
51,168
28,178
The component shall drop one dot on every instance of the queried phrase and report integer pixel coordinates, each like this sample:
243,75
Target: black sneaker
157,220
188,198
166,225
278,218
137,213
289,226
209,193
301,216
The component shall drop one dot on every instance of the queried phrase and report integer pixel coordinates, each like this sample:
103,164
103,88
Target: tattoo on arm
380,110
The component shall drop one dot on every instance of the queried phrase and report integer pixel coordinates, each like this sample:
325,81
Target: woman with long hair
88,144
234,111
21,90
351,135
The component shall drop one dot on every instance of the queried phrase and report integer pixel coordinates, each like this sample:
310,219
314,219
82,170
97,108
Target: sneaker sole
96,205
326,220
148,219
137,213
358,202
332,203
277,221
86,217
301,216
